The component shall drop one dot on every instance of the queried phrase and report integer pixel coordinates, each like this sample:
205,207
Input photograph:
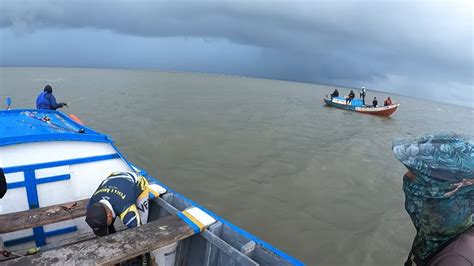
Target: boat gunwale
246,234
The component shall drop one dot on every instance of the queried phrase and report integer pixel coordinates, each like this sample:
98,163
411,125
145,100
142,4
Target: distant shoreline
237,76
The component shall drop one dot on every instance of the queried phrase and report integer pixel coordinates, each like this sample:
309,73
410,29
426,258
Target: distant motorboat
358,106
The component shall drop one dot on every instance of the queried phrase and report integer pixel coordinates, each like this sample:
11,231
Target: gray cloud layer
386,44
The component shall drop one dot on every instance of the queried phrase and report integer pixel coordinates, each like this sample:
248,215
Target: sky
419,48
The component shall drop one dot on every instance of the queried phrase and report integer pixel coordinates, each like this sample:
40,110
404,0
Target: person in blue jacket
46,100
124,195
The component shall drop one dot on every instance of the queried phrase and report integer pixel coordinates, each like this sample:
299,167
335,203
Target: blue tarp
25,125
357,102
440,199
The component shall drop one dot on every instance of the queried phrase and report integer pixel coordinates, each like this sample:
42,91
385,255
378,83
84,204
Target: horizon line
238,76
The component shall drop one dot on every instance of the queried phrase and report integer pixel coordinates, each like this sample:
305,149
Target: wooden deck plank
114,248
52,246
16,221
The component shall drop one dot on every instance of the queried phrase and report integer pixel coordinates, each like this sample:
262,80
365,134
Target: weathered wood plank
114,248
66,242
16,221
52,246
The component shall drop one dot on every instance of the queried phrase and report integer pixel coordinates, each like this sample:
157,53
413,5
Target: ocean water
319,183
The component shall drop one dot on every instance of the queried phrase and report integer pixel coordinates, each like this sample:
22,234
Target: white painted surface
53,171
379,108
55,192
85,178
42,152
166,256
157,188
14,177
201,216
14,200
339,101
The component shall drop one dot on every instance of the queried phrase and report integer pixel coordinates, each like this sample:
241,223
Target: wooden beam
16,221
66,242
114,248
51,246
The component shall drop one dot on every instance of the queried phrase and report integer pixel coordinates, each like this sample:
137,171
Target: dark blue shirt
122,190
47,101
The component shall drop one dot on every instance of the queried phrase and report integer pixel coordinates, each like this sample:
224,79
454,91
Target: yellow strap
194,220
131,208
142,183
156,194
144,195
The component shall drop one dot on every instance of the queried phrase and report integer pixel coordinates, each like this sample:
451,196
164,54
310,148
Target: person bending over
124,195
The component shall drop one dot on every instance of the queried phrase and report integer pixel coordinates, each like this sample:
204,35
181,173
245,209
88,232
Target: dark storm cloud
350,42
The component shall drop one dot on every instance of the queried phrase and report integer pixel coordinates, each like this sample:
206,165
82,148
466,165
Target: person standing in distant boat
375,102
387,102
46,100
362,95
